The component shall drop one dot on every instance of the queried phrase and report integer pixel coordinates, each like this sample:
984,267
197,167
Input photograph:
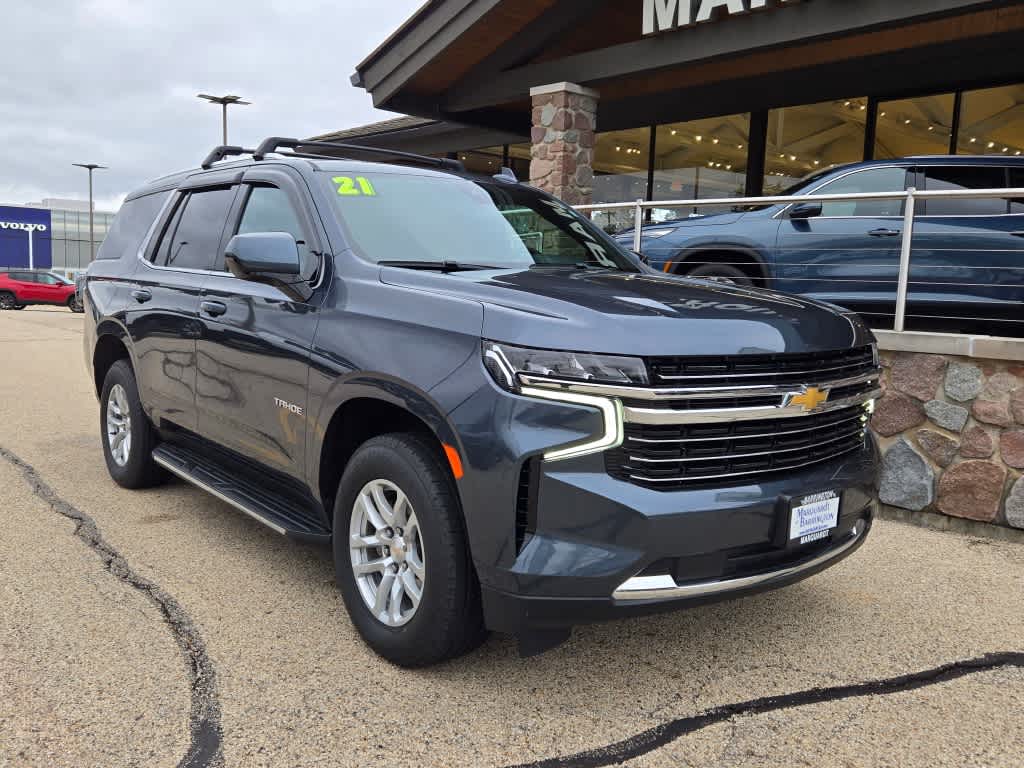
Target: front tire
75,305
127,435
400,554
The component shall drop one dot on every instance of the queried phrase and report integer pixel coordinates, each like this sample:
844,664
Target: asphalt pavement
162,628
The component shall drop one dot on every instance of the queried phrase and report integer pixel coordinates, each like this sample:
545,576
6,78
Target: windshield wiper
443,266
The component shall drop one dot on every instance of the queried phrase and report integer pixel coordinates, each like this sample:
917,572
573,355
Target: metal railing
909,197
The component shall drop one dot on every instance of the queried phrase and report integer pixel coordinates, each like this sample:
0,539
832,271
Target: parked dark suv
967,254
497,417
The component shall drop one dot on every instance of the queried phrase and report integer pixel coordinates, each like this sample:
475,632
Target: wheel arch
744,257
368,407
111,346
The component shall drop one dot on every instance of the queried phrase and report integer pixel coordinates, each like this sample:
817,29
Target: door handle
884,232
214,308
141,295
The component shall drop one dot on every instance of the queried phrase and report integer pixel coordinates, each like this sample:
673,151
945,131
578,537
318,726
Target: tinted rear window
131,225
192,240
965,177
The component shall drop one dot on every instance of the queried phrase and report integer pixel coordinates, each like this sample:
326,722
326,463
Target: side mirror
805,211
262,253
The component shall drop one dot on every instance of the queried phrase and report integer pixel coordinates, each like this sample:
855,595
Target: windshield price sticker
359,186
814,517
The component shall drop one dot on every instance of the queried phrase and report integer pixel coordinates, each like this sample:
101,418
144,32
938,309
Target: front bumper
606,549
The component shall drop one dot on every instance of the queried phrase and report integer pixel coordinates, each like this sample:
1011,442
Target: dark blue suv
497,417
967,254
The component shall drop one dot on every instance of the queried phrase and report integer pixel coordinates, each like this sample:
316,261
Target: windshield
395,217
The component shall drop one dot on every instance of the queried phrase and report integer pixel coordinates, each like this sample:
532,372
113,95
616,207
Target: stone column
562,156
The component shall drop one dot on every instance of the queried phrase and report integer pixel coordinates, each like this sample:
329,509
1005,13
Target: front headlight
506,362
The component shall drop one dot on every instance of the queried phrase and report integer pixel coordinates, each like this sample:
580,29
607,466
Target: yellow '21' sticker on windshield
360,186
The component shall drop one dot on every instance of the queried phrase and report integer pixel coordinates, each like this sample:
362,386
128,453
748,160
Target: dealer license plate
813,517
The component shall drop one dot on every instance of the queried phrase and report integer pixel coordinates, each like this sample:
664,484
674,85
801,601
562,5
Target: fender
107,326
373,385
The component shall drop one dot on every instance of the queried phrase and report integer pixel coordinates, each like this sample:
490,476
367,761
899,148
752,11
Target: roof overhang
474,61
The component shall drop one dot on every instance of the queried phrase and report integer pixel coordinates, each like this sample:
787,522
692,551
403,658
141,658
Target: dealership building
611,101
617,100
51,234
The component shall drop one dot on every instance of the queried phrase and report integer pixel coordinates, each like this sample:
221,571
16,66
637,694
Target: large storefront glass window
920,126
620,174
812,137
700,159
992,122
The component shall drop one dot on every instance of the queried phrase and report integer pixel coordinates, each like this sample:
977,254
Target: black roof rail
274,143
219,153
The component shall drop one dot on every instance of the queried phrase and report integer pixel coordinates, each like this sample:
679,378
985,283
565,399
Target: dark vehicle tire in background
400,554
725,273
75,305
7,301
127,436
18,306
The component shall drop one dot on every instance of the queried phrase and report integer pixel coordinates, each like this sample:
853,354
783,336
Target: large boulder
1015,505
972,489
918,375
941,449
977,444
895,413
963,381
946,415
908,481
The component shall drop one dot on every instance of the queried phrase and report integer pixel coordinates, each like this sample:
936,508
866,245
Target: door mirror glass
262,253
805,211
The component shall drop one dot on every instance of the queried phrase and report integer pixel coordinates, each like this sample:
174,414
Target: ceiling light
739,146
817,162
863,107
846,104
793,158
1006,149
698,137
974,140
674,131
882,114
906,122
931,127
728,167
991,144
714,141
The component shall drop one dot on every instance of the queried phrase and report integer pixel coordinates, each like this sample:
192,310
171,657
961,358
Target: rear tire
8,301
725,273
75,305
445,619
127,435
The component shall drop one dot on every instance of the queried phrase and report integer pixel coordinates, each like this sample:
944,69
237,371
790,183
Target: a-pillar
562,155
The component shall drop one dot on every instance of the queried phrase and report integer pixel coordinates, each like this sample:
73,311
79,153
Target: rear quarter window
131,225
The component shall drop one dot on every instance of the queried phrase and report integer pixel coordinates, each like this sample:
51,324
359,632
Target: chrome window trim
665,587
850,173
147,241
691,393
659,416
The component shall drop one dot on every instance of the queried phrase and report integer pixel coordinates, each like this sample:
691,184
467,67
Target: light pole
90,167
223,101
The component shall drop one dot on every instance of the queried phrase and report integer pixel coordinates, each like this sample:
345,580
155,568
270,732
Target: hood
638,314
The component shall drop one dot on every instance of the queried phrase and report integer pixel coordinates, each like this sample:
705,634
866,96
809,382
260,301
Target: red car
19,288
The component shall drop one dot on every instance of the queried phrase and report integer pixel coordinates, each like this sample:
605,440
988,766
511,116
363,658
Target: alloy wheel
387,554
119,425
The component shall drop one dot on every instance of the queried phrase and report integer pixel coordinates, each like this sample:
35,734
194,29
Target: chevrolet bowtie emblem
811,398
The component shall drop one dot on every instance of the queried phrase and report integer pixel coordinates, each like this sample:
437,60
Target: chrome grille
670,457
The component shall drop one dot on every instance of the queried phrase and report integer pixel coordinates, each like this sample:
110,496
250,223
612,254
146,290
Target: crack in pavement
657,737
204,716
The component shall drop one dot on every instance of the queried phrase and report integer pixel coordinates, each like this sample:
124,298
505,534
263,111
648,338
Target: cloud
114,82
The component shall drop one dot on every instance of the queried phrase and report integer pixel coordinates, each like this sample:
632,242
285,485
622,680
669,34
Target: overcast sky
114,82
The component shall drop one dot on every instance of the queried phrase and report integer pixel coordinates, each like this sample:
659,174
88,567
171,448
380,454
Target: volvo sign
25,237
666,15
